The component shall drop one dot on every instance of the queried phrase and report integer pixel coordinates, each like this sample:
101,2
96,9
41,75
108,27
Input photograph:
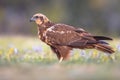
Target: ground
27,58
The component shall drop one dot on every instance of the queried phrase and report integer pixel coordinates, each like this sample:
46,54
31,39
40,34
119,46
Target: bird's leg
61,59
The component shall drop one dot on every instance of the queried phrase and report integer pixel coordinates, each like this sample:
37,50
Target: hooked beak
32,19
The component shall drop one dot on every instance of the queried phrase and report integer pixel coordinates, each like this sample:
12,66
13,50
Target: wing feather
67,35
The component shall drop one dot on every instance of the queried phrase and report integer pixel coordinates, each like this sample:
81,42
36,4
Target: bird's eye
36,16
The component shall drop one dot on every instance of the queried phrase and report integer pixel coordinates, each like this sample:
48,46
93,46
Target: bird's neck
46,25
42,28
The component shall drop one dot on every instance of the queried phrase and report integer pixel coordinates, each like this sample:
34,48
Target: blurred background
96,16
24,57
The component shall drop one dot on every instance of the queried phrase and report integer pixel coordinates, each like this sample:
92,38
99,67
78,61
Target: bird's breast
43,37
40,35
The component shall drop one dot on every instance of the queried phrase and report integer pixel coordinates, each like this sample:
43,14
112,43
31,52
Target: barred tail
104,48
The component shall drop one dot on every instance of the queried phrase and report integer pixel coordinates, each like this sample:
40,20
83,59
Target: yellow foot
60,59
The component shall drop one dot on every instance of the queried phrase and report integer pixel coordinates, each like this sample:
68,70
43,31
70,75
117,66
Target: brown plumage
63,38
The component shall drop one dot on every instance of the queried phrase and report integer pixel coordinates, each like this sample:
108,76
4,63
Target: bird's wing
61,34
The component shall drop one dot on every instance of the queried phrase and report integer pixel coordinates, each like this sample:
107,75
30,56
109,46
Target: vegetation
28,58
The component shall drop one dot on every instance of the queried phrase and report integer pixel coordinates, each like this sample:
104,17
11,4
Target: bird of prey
62,38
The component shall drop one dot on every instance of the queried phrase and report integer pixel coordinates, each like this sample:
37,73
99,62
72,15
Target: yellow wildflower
95,54
1,52
10,52
104,58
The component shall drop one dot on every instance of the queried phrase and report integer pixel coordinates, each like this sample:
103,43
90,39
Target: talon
60,59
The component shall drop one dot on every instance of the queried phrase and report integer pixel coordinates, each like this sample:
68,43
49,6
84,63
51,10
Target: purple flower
84,54
37,48
118,47
15,50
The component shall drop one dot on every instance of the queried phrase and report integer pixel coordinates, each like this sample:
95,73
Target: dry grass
26,58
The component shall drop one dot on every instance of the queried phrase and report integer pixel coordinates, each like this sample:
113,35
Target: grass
27,58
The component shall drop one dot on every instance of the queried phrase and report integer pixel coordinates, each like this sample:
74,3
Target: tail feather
102,38
104,48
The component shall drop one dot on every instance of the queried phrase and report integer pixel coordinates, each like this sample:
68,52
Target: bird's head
39,19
